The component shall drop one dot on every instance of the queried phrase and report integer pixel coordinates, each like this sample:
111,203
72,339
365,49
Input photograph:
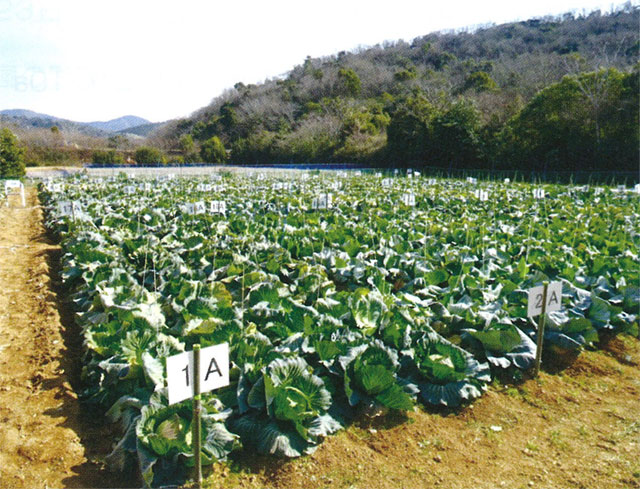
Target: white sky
88,60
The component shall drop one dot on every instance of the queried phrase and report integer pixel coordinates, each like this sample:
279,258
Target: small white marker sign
214,372
218,207
538,193
12,184
554,299
323,201
204,187
195,208
409,199
67,208
282,186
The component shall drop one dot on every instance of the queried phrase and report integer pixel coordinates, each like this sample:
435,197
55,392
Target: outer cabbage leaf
446,374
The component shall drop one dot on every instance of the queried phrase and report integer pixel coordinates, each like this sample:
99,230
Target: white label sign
554,299
409,199
323,201
194,208
67,208
12,184
538,193
218,207
214,372
482,195
282,186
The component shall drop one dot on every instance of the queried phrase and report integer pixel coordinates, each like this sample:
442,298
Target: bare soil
46,438
576,426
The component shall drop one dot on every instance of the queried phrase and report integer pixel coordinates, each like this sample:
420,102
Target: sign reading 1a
214,372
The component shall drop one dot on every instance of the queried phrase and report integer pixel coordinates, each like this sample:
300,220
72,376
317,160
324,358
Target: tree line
557,93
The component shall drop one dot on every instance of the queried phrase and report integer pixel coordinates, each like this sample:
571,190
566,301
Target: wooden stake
196,428
541,321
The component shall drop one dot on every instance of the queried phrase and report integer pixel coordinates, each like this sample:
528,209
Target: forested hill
552,92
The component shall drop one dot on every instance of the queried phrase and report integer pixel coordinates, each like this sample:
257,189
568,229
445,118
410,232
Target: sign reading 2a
214,372
554,299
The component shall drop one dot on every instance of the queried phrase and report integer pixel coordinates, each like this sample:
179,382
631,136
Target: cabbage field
340,295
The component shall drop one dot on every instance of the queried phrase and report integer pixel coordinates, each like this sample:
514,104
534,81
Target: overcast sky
89,60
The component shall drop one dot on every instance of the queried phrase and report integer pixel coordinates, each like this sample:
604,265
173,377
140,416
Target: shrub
212,151
11,155
109,157
147,155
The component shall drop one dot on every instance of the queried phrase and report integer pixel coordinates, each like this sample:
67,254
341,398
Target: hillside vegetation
558,93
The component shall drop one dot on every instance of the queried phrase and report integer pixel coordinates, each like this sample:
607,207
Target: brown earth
576,426
46,439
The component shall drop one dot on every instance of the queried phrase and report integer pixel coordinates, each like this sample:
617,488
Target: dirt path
42,428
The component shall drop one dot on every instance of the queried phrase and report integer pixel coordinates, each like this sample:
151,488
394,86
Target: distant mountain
121,124
28,114
27,119
128,124
143,130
